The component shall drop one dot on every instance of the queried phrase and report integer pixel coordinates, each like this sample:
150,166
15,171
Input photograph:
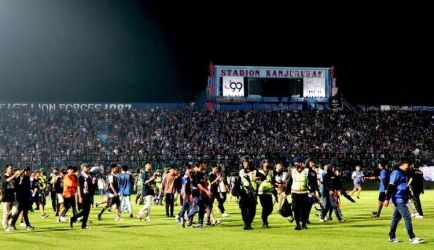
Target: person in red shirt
69,191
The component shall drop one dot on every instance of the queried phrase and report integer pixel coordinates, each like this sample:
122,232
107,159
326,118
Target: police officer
299,187
265,190
245,185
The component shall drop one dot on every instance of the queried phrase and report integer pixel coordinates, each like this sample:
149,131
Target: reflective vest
266,186
299,181
247,179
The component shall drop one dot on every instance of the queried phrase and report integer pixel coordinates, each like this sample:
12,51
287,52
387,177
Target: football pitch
360,231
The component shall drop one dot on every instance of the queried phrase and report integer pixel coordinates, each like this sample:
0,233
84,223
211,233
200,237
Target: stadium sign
314,87
274,73
263,87
233,86
67,106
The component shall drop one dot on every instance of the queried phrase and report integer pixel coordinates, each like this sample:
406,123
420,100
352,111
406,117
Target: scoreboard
244,84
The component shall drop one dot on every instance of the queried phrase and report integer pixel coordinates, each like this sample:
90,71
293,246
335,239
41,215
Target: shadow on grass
42,230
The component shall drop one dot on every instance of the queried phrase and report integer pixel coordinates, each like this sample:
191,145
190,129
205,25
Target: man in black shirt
214,180
198,188
310,164
51,181
185,193
9,198
23,197
112,193
147,191
416,188
85,192
58,189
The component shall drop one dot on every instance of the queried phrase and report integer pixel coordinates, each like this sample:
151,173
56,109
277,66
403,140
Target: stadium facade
270,88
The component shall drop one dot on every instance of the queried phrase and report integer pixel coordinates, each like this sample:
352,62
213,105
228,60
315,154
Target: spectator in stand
65,137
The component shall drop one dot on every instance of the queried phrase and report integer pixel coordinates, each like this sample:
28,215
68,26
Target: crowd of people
197,189
72,190
274,140
68,137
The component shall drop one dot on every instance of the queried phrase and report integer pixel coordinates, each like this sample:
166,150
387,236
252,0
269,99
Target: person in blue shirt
398,192
126,183
383,181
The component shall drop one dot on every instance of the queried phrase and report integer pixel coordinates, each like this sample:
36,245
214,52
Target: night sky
143,51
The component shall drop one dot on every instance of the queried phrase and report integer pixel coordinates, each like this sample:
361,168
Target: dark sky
138,51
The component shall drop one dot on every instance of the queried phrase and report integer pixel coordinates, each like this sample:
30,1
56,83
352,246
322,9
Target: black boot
265,224
297,227
303,225
247,226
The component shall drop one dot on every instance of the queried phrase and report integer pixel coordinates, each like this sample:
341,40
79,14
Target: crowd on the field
196,188
28,135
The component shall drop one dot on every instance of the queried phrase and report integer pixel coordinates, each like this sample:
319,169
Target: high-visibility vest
299,181
266,186
247,179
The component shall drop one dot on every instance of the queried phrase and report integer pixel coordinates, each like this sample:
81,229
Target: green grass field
360,231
